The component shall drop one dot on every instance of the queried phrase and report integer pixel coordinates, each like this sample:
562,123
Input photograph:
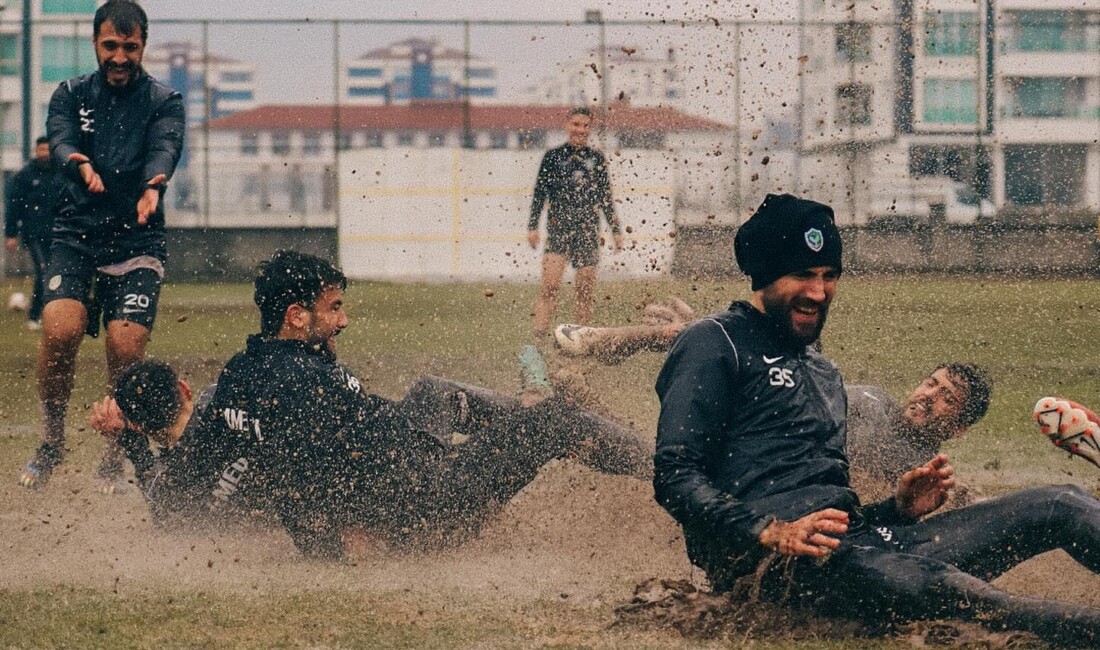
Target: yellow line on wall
352,192
469,238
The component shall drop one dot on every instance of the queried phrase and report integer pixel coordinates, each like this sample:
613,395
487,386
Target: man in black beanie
751,461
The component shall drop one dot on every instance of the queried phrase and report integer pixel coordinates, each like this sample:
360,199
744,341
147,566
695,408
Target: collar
259,343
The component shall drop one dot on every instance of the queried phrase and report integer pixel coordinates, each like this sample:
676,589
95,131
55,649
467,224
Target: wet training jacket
752,429
130,136
576,183
32,198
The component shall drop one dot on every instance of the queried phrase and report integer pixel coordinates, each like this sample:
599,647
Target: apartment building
417,69
631,76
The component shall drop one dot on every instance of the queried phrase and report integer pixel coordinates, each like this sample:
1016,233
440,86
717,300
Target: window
853,42
374,140
1046,97
311,144
344,141
437,140
498,140
250,144
233,95
236,77
280,144
1046,31
68,6
9,54
853,103
482,73
366,91
532,139
65,56
405,139
361,73
951,101
951,33
1044,174
642,139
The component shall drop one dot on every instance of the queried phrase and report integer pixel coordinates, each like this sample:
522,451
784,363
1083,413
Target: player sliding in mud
290,431
751,462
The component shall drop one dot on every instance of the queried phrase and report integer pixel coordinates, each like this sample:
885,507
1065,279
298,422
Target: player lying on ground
751,461
289,430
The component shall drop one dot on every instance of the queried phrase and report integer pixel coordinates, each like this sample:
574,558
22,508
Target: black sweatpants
940,567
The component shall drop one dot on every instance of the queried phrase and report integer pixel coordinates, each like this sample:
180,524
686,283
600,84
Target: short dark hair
125,15
148,395
978,384
580,110
291,278
41,140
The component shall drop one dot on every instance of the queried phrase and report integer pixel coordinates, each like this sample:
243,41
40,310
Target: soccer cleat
1069,426
574,340
37,473
534,375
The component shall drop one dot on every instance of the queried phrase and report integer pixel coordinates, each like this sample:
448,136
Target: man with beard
118,134
289,430
751,461
886,439
32,196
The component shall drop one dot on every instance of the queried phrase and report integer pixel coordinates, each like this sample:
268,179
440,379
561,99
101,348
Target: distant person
574,180
32,200
118,134
289,430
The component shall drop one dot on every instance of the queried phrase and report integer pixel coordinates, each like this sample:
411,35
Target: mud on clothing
752,430
576,183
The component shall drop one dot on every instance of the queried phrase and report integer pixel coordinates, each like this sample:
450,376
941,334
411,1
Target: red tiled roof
449,115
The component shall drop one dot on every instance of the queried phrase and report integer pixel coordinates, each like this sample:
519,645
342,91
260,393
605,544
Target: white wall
458,214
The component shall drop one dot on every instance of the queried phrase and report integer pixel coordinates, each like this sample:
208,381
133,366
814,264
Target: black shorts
581,248
130,297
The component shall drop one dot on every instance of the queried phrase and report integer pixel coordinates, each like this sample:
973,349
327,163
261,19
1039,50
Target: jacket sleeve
604,199
63,127
542,192
164,142
13,206
696,386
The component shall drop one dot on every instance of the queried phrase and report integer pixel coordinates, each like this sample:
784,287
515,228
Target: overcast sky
295,61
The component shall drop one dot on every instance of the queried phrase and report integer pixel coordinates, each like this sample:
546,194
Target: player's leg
990,537
64,318
129,304
612,345
553,267
585,282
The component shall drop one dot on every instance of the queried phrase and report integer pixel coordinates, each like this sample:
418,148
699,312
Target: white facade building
182,66
417,69
631,76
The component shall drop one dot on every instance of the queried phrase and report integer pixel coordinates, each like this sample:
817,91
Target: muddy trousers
940,567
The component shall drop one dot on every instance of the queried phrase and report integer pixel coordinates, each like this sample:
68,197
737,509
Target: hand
11,243
88,173
533,238
618,240
815,535
107,418
924,489
149,200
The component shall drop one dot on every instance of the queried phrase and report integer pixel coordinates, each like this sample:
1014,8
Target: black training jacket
576,183
287,430
752,429
130,136
32,198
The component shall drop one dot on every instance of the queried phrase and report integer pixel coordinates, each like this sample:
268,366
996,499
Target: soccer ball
17,301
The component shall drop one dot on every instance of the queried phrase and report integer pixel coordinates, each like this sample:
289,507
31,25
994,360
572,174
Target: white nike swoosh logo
772,359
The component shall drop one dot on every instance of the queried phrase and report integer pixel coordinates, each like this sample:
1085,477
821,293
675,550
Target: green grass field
1037,337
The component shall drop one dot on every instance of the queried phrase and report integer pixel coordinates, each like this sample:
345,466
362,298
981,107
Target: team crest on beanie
814,239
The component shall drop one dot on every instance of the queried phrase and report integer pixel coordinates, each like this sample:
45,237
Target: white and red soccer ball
17,301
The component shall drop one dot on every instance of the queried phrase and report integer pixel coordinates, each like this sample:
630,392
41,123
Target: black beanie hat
786,234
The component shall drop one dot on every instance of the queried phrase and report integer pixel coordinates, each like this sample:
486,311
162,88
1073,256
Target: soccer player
751,461
573,179
32,198
289,430
118,134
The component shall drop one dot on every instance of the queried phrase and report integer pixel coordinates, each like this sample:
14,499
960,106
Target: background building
631,76
417,69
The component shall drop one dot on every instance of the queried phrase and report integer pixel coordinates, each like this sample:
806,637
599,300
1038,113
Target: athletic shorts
132,296
581,248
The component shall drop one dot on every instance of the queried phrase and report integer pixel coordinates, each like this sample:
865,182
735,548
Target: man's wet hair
978,384
292,278
127,16
580,110
41,140
148,395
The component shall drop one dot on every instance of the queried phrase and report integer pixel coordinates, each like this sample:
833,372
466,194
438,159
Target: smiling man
751,462
118,134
